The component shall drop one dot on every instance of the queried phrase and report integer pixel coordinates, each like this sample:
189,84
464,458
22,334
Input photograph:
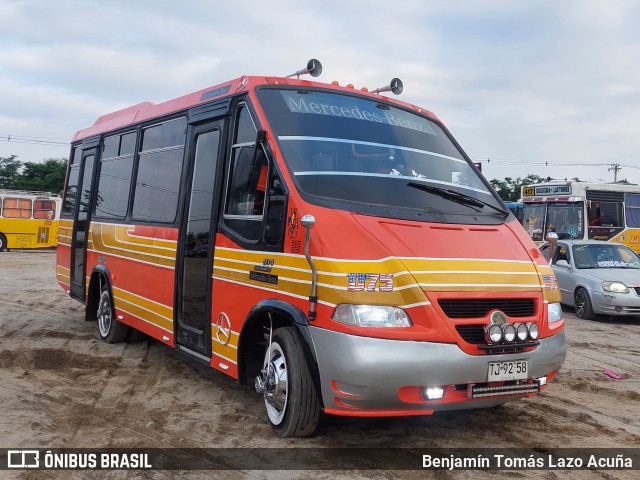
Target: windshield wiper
457,197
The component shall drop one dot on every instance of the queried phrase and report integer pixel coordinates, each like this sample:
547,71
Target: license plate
501,371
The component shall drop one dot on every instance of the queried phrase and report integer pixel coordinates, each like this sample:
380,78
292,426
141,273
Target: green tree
509,189
47,176
9,168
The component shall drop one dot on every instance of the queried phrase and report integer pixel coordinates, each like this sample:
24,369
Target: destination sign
355,109
546,190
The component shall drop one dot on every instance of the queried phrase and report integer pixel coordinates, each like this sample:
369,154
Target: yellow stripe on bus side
154,312
104,240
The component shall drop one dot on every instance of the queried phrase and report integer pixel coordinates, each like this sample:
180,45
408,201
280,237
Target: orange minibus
334,248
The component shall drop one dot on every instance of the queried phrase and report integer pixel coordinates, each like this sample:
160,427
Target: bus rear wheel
3,243
290,396
111,330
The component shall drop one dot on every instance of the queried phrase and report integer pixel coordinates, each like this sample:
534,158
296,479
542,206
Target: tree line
509,188
46,176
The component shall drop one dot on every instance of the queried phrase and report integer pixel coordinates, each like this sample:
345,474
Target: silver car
597,278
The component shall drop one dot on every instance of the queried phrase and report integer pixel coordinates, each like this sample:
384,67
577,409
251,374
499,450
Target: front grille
480,307
473,334
637,289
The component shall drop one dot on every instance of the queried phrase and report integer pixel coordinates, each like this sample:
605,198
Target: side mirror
258,158
563,264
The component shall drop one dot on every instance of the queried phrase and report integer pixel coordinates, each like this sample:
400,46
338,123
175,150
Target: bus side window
247,182
17,208
44,209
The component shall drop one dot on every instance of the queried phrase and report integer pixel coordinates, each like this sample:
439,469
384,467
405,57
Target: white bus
582,210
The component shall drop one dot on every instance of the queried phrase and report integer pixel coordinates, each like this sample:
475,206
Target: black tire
294,409
3,243
584,310
111,329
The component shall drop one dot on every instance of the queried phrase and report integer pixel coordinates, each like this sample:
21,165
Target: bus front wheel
3,243
290,396
111,330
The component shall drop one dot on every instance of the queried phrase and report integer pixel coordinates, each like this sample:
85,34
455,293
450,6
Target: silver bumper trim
364,373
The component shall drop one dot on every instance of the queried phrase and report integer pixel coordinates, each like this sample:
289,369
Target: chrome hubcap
275,384
104,314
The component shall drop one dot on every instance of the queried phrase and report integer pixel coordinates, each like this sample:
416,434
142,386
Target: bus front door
197,238
81,223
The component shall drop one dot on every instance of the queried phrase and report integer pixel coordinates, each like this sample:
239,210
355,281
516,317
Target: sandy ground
61,386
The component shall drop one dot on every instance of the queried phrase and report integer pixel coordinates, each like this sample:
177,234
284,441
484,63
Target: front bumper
609,303
372,376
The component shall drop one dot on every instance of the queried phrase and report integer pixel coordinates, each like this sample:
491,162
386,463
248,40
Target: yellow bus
28,219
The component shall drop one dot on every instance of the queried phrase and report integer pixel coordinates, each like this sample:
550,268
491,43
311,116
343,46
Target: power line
33,140
547,163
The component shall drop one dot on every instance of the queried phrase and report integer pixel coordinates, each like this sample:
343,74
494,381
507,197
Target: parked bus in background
333,247
28,219
582,210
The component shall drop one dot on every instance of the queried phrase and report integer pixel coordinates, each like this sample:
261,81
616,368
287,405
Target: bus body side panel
144,300
630,237
243,279
29,233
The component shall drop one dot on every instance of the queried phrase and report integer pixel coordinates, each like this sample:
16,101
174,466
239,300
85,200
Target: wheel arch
579,286
93,292
255,327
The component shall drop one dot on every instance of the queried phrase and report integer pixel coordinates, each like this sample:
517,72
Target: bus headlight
534,330
509,332
371,316
522,332
493,333
615,287
555,312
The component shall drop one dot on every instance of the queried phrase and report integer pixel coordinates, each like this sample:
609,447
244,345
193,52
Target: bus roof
28,193
148,110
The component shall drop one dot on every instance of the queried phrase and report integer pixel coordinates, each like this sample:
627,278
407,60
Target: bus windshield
566,219
361,154
533,220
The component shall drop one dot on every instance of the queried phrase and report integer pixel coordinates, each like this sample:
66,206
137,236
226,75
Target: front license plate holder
510,370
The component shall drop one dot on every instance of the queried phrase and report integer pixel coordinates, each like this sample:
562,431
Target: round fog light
534,331
509,333
522,331
494,333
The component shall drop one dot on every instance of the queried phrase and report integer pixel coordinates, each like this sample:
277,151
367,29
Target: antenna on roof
394,86
314,68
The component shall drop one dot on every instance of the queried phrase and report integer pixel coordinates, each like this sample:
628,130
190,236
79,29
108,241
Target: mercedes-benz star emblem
223,328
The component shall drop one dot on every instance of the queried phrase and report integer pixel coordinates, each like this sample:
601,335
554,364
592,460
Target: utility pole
616,168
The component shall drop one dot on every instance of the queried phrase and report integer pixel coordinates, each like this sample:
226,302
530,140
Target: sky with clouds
541,87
